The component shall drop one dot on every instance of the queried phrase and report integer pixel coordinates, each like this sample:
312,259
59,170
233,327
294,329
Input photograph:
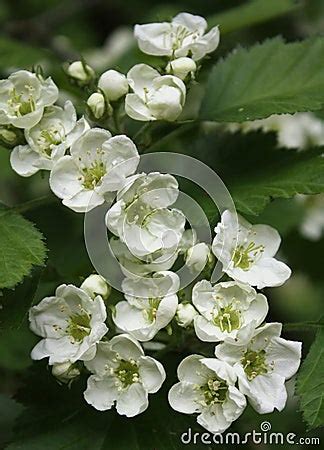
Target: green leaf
251,13
21,248
310,383
15,53
272,77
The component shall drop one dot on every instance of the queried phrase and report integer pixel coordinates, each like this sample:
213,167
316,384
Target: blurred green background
51,32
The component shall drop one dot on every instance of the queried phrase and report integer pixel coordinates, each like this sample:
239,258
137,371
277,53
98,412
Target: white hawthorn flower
80,72
247,252
48,140
141,217
207,387
312,224
150,305
97,166
154,97
23,97
95,285
228,310
70,323
263,365
65,372
133,267
97,105
185,314
123,375
181,67
113,84
197,257
184,36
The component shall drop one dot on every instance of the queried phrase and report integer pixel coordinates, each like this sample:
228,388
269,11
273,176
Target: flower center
254,363
214,391
178,35
19,105
127,372
150,312
244,256
49,138
92,175
228,319
79,326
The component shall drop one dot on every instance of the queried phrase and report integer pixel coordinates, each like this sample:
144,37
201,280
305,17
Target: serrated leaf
21,248
271,77
310,383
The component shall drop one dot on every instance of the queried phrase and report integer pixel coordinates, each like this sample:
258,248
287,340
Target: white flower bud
80,71
197,257
181,67
65,372
97,104
185,314
96,285
113,84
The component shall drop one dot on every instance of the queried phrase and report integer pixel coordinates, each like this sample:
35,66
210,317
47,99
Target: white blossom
48,140
181,67
184,36
97,166
197,257
228,311
23,97
185,314
113,84
80,72
154,97
141,217
95,285
263,364
97,105
312,224
65,372
207,387
247,252
70,323
150,305
123,375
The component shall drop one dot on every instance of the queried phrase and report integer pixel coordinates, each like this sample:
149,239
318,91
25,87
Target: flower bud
197,257
185,314
11,136
113,84
181,67
97,105
80,72
96,285
65,372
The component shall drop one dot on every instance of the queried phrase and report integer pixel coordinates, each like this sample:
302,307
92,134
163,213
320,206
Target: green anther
79,326
20,107
93,174
127,372
254,363
152,310
214,391
228,319
49,139
244,256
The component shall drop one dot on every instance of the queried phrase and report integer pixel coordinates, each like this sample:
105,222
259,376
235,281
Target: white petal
103,357
286,356
152,374
101,392
84,201
140,77
221,368
132,401
192,370
213,420
137,109
64,179
183,398
153,38
191,21
126,346
22,160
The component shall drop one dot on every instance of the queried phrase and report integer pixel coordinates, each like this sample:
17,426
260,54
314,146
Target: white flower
95,285
113,84
207,387
97,166
312,224
134,267
184,36
197,257
228,310
48,140
181,67
141,217
65,372
122,375
247,252
23,97
70,323
97,105
80,72
185,314
263,364
154,97
151,305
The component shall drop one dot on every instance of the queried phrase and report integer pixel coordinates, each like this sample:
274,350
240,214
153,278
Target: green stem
141,131
34,204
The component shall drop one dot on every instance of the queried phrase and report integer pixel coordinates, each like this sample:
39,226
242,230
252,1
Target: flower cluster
91,162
